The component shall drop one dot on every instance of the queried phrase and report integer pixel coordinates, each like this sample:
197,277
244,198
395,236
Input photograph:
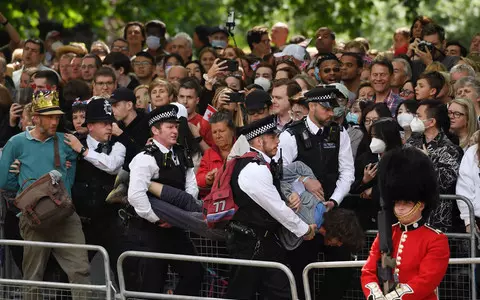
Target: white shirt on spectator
468,184
111,163
264,193
346,169
143,169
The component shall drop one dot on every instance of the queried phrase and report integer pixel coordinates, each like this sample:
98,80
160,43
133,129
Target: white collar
162,147
312,126
92,141
265,157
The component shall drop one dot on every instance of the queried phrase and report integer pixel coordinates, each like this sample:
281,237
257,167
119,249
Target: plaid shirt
392,101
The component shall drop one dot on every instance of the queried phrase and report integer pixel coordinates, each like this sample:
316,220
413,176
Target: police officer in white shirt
325,147
100,159
262,210
168,163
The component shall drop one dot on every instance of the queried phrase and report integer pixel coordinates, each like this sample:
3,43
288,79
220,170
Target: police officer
168,163
325,147
100,159
261,211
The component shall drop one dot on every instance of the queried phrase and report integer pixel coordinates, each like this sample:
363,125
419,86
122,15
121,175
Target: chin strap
409,214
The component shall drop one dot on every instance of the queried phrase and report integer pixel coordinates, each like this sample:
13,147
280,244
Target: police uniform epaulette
150,149
295,127
437,231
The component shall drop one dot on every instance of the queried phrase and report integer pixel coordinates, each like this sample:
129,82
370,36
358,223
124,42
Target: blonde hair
160,82
472,124
237,116
435,66
142,86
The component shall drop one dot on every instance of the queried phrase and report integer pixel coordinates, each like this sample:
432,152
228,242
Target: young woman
463,120
385,136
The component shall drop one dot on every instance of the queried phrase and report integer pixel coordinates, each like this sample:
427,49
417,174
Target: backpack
219,207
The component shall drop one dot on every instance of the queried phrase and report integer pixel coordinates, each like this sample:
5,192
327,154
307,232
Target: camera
424,45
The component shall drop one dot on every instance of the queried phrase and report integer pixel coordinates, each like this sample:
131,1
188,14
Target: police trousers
245,282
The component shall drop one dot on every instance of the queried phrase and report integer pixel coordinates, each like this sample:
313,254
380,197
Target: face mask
219,44
377,146
417,125
404,119
263,82
338,112
153,42
352,118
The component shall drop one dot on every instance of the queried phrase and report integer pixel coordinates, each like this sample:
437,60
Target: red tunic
421,255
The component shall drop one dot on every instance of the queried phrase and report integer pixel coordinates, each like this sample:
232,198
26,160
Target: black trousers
335,282
246,281
149,275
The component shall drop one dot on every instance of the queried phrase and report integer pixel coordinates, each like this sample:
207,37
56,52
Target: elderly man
182,45
279,35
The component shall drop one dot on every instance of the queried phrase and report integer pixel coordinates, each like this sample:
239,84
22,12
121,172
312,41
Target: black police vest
249,213
91,188
319,152
169,173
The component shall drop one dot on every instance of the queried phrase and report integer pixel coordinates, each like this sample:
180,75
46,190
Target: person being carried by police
418,253
163,161
325,147
100,160
262,210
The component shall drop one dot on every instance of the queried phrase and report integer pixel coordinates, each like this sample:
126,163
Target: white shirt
110,163
16,75
346,168
468,184
257,182
143,169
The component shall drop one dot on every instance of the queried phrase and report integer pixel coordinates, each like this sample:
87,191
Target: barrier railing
228,261
360,263
49,287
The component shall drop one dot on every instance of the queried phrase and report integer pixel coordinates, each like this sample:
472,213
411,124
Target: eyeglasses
405,92
328,70
370,121
142,63
117,48
108,83
455,114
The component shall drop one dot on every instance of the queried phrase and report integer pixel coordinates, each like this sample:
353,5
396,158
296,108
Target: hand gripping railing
360,263
101,288
228,261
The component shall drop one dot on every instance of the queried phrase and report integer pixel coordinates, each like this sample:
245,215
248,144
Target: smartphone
232,65
237,97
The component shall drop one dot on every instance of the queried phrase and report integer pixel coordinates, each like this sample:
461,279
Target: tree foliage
374,19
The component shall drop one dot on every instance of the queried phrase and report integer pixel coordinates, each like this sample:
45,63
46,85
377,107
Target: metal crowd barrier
360,263
228,261
88,291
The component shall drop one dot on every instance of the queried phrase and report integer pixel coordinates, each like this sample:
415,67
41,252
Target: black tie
319,132
104,148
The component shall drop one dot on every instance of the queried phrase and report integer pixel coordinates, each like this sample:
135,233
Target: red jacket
211,159
421,254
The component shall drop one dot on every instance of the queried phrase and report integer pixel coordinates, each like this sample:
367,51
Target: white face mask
153,42
263,82
377,146
404,119
417,125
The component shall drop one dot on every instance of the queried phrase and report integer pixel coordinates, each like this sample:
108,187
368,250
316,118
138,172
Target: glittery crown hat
45,102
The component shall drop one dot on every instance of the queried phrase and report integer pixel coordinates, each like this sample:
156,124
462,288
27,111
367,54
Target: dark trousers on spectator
335,282
246,281
145,236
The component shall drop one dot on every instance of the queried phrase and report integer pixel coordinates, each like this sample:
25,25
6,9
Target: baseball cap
296,51
123,94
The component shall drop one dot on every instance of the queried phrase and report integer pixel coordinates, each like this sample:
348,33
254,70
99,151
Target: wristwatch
199,139
82,151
